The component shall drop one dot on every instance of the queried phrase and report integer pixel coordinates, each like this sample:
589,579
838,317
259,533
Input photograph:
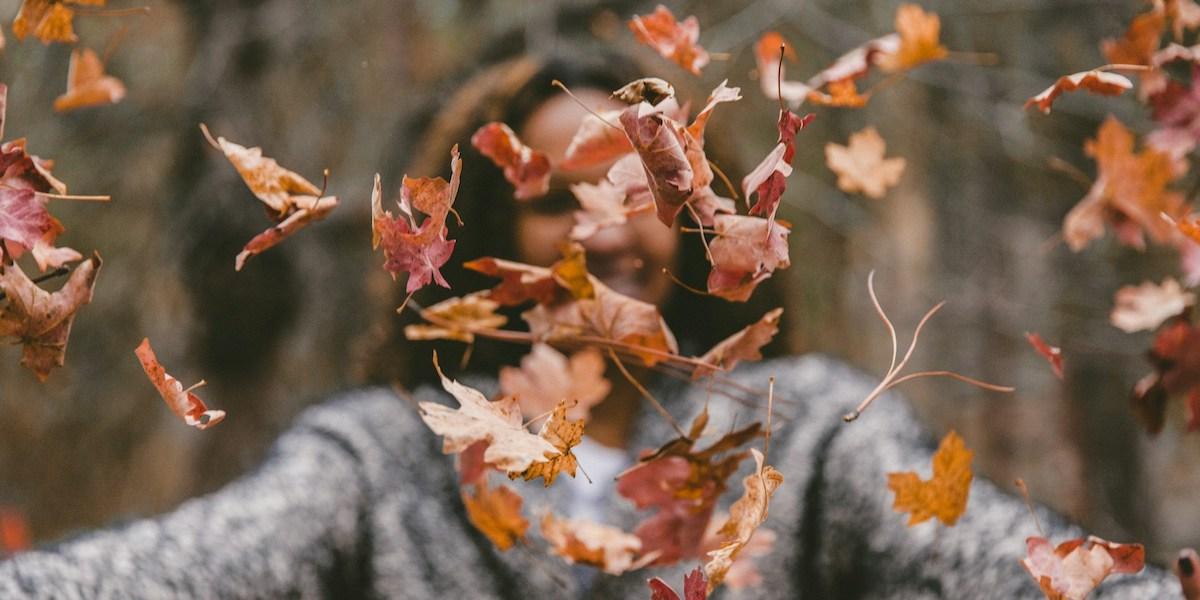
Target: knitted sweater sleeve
292,528
849,541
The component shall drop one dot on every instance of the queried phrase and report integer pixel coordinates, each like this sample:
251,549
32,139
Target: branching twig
892,379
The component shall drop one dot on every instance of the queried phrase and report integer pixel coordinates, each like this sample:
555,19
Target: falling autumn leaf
49,20
1096,82
87,84
677,41
182,402
1130,193
919,32
519,282
1146,306
547,377
683,485
1052,354
945,494
293,201
1141,40
660,146
1071,570
745,252
510,447
769,178
421,250
743,345
745,515
597,141
527,169
860,165
457,319
654,91
842,93
496,513
1176,372
695,587
41,321
563,434
584,542
602,205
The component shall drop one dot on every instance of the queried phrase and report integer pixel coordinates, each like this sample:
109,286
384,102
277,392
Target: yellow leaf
945,495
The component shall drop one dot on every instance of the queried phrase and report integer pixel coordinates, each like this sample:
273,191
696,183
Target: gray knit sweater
357,500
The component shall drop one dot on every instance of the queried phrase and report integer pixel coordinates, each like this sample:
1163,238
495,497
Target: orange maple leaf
674,40
496,513
87,85
563,434
919,32
1130,193
944,495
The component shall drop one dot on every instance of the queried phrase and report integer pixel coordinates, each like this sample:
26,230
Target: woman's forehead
553,123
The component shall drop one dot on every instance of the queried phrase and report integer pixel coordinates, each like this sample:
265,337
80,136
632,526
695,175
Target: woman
357,499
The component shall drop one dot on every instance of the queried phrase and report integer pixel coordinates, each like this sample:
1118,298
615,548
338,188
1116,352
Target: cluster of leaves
1137,195
657,165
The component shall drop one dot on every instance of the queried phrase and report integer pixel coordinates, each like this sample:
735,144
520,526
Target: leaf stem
646,394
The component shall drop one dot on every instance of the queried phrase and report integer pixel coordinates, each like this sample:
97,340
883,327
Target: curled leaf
1052,354
1071,570
695,587
293,201
41,321
457,319
527,169
183,403
1096,82
919,32
745,515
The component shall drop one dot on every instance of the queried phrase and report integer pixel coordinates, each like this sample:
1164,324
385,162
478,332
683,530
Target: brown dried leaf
458,318
183,403
743,345
40,320
745,515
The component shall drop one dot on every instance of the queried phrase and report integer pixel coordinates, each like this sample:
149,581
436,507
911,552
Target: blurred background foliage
332,85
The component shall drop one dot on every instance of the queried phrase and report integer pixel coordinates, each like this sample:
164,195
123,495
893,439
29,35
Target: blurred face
628,258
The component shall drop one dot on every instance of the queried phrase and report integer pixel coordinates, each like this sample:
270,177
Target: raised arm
860,547
291,528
